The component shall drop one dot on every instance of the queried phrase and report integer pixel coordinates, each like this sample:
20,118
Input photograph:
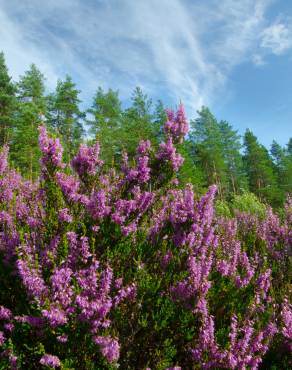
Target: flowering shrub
101,269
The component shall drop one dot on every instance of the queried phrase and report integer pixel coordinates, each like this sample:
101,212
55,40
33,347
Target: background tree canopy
214,152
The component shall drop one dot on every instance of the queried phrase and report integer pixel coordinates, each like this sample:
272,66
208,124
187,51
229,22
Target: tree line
214,152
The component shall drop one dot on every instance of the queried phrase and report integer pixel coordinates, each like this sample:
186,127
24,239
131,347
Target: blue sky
234,56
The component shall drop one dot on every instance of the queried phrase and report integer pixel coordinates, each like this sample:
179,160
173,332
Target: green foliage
139,122
212,150
249,203
216,150
190,172
105,122
282,158
237,180
260,170
120,129
64,116
24,151
7,103
208,148
222,208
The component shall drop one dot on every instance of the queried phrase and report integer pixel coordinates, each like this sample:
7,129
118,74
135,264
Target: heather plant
127,268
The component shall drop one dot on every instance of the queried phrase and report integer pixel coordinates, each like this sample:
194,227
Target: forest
136,238
214,152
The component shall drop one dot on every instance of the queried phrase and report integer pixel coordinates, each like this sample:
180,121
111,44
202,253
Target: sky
234,56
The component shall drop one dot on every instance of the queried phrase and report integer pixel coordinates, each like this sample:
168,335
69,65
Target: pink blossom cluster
176,125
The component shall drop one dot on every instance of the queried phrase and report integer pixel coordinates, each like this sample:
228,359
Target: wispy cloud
277,38
20,53
179,49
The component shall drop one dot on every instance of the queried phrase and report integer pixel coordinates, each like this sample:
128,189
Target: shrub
101,269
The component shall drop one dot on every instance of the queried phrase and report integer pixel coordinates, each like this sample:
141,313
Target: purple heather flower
32,281
118,283
62,338
87,160
36,322
5,313
263,281
69,186
6,218
9,326
64,215
62,291
166,259
287,319
125,293
99,204
126,230
106,281
2,338
51,148
144,147
55,316
78,249
167,152
13,362
143,170
109,348
176,126
3,159
50,360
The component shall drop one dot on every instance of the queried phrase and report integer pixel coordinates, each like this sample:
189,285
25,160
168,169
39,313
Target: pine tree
117,129
190,171
158,120
7,103
31,110
283,166
278,154
208,149
289,146
138,122
65,117
259,167
105,122
288,167
237,180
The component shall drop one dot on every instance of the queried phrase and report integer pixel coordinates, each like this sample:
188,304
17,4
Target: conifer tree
289,146
259,167
31,110
208,149
65,116
283,166
7,103
138,122
288,167
105,122
190,171
159,118
278,154
237,180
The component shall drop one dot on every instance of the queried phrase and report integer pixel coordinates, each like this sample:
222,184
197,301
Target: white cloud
236,30
180,49
19,53
277,38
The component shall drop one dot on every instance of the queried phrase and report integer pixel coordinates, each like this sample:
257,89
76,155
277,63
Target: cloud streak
180,49
277,38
